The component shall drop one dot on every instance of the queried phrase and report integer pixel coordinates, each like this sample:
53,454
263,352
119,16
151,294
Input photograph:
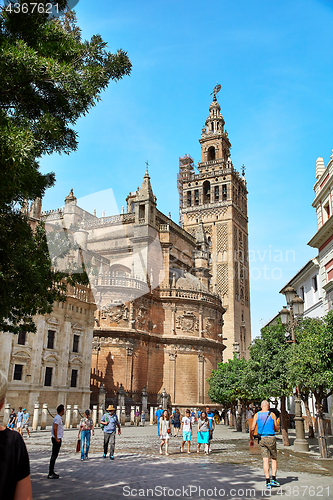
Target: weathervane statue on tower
217,89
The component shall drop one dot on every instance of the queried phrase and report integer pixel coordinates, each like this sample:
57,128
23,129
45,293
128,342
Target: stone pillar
118,412
129,366
201,381
101,399
123,415
35,418
172,359
144,400
132,415
94,414
6,414
151,417
121,396
68,417
100,414
75,416
164,400
44,417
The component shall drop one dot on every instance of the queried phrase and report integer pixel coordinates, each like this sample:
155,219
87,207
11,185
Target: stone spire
200,237
70,198
320,167
146,192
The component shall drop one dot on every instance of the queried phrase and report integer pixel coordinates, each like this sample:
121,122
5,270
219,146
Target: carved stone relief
188,322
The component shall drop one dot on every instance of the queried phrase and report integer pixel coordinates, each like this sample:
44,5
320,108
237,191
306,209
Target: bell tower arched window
206,192
211,153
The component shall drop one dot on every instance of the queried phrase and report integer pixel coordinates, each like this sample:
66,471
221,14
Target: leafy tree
228,384
311,364
267,369
49,78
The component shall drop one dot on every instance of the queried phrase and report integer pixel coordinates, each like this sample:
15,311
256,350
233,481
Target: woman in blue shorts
203,432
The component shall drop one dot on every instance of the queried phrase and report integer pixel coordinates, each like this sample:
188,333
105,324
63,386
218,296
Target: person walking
267,426
110,422
15,480
12,419
203,432
137,417
210,416
143,418
186,427
85,428
176,422
25,422
19,420
57,437
158,415
165,431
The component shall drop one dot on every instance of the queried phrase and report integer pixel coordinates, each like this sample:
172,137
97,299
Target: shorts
187,435
19,425
203,437
268,447
210,435
10,426
25,426
176,425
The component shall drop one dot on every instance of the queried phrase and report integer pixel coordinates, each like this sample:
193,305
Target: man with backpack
109,422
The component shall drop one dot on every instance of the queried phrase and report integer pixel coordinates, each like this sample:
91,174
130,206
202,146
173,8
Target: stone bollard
44,417
94,415
132,415
35,419
6,414
118,413
123,415
151,422
100,413
75,416
68,417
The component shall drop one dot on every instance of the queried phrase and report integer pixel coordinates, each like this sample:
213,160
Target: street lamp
289,317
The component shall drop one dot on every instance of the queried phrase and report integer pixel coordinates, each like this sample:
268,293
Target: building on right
323,239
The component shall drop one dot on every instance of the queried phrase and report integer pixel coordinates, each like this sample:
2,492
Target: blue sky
274,61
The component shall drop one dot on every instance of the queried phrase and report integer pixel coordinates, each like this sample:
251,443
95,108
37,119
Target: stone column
172,359
144,400
121,396
75,416
6,414
101,398
123,415
35,418
94,414
151,419
68,417
164,400
118,410
44,417
129,365
201,381
100,414
132,415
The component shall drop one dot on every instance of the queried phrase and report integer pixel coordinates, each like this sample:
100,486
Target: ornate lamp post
289,318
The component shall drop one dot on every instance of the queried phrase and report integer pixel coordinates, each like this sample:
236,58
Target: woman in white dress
165,431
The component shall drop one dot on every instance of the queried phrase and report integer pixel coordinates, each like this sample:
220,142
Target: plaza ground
233,470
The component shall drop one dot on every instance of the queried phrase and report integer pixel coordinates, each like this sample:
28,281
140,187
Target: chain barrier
48,411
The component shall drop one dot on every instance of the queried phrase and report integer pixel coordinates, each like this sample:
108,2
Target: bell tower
216,198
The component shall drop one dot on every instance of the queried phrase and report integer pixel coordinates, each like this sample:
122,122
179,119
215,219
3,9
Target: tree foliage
228,383
49,78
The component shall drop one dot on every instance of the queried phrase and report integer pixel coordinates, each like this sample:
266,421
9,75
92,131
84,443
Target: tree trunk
243,417
309,417
231,418
284,422
321,431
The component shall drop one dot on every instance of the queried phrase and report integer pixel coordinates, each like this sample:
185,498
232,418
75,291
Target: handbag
78,445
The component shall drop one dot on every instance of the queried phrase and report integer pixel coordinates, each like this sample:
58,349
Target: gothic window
224,192
142,212
211,153
217,193
196,197
189,198
206,192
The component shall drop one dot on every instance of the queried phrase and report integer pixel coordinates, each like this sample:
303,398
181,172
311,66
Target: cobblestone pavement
233,470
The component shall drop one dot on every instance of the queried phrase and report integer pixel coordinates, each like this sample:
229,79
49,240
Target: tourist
165,431
137,417
186,427
85,428
143,418
267,425
176,422
25,422
203,432
12,419
192,416
210,416
15,469
248,416
157,418
110,422
57,436
19,420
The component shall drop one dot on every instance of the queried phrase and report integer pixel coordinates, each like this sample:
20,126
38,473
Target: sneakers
82,459
53,476
275,483
111,457
268,486
104,456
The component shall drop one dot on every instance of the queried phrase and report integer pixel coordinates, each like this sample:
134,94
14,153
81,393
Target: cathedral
171,301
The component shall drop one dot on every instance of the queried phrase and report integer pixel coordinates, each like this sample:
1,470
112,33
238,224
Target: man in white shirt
57,435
